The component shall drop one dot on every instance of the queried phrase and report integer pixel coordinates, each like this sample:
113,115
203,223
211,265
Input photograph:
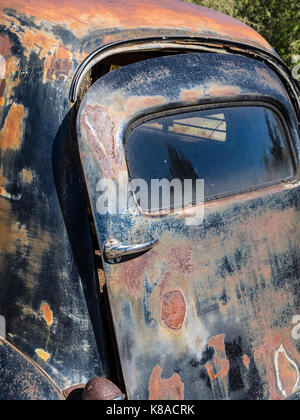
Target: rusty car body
213,311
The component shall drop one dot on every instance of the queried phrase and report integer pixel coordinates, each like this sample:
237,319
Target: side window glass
233,149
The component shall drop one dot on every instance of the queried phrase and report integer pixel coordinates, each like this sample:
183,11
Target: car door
204,291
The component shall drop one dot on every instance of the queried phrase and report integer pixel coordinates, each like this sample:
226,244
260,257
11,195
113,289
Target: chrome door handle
114,250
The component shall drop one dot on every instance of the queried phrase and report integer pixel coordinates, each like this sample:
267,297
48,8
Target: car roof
113,20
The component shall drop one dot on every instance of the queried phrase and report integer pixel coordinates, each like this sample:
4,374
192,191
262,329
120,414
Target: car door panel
211,311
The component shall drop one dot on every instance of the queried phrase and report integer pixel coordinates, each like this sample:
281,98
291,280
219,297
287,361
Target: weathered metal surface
48,291
20,379
211,312
91,23
47,277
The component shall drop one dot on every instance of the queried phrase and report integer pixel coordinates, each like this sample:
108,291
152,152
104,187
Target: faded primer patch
47,313
165,389
173,310
11,135
42,354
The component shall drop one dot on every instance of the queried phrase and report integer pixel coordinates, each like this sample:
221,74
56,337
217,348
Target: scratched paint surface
209,312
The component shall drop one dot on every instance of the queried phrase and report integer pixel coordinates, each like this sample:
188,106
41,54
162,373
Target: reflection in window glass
232,149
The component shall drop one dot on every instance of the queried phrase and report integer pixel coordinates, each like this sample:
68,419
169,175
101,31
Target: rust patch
26,176
220,366
224,91
100,133
180,260
165,389
42,354
271,82
47,313
173,310
83,16
246,361
122,106
218,343
59,65
287,373
5,45
100,389
193,94
11,134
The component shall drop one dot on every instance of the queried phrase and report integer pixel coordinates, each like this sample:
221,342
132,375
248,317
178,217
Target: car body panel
48,279
47,273
232,281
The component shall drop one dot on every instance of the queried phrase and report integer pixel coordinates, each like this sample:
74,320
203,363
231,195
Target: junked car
189,294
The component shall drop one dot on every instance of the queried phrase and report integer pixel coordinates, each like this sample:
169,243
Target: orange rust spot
246,361
218,343
224,91
193,94
59,65
11,134
173,310
43,355
165,389
47,313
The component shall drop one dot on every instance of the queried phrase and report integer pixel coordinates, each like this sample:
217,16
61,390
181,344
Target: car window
233,149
